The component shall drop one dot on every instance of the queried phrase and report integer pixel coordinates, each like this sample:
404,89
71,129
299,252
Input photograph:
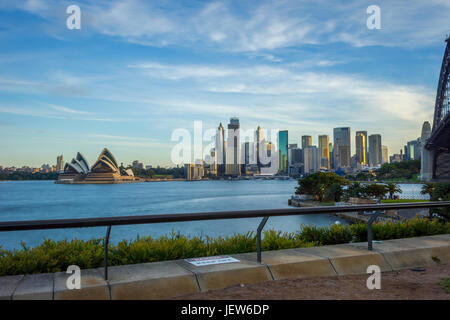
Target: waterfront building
324,146
283,152
341,148
385,154
361,148
259,137
312,159
375,151
194,171
233,167
104,170
220,150
60,163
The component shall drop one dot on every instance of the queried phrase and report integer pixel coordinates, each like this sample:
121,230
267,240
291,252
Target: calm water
33,200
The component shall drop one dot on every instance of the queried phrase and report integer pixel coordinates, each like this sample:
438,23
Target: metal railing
373,210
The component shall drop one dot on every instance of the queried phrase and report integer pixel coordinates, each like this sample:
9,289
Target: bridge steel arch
439,141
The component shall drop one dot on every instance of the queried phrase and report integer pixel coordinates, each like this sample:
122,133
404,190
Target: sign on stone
205,261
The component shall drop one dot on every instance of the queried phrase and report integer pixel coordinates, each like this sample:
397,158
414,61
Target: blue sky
139,69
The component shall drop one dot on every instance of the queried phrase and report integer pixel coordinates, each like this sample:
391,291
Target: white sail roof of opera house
105,162
78,165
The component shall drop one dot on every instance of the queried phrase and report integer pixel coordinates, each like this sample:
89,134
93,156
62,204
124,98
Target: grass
55,256
402,200
445,283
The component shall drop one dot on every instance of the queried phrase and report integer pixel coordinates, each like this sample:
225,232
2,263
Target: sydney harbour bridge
436,144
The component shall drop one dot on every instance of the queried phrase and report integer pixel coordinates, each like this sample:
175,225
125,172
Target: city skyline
135,72
223,139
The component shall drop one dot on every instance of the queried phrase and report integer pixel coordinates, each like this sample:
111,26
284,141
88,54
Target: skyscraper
375,151
220,150
60,163
385,155
312,156
283,152
306,141
361,147
324,146
233,158
259,137
341,148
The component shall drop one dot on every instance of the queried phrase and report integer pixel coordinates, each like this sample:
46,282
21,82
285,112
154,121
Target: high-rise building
324,146
375,151
137,165
312,157
60,163
233,158
412,150
426,170
283,152
361,147
220,150
385,154
330,147
341,148
259,148
306,141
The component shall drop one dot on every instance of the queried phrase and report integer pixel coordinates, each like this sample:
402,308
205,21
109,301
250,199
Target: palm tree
428,188
393,188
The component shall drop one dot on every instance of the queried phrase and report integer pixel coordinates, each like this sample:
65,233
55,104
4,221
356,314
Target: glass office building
283,152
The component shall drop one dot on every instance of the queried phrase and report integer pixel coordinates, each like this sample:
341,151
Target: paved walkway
422,283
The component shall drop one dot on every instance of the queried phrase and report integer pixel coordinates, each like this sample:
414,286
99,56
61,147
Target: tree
393,188
334,192
318,183
376,190
441,192
428,188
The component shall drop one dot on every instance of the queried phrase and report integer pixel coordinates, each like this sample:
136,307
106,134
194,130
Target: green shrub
54,256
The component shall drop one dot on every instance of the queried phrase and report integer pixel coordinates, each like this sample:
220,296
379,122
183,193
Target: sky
137,70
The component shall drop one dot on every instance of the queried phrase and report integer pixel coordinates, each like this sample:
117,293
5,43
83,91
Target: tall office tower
341,147
306,141
361,147
375,152
312,157
426,169
233,158
283,152
412,149
247,155
384,154
259,137
330,146
324,146
59,163
220,150
213,161
291,154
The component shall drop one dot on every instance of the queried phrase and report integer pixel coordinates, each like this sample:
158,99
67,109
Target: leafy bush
54,256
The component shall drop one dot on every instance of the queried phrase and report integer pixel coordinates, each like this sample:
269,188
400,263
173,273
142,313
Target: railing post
108,232
258,238
372,218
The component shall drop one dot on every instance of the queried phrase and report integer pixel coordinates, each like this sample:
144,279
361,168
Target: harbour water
38,200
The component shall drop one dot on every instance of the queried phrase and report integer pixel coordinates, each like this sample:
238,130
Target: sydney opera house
104,170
